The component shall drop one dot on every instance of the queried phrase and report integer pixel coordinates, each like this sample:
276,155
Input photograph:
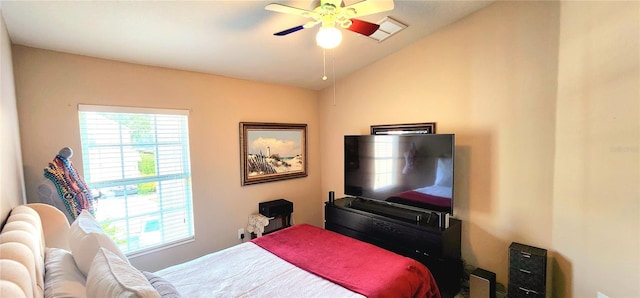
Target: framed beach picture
272,151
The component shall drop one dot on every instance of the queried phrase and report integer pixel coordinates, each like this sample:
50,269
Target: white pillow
86,237
110,276
62,278
163,286
444,174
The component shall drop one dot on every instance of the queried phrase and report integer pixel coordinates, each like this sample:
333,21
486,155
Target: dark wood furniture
527,271
279,214
278,223
435,247
275,224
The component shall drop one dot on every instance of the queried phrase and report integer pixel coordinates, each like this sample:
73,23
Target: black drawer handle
525,271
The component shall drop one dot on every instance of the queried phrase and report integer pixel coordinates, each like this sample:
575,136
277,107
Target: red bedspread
355,265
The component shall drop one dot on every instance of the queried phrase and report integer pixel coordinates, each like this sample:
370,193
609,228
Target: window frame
157,177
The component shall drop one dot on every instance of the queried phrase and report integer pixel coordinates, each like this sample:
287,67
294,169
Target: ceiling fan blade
288,31
367,7
296,28
290,10
363,27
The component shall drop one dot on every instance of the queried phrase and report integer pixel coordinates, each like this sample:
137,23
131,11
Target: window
138,161
383,163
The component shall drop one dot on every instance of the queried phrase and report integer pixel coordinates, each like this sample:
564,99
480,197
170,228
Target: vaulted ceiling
229,38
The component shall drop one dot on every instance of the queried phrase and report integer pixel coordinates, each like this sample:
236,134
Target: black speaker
279,207
482,284
332,197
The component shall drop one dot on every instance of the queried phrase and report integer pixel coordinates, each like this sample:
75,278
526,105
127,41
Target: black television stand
436,247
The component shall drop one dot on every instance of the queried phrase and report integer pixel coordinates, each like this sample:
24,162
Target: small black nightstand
279,213
527,271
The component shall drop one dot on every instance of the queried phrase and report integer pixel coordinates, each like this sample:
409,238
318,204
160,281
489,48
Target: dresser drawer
525,278
516,291
345,218
423,242
532,259
533,264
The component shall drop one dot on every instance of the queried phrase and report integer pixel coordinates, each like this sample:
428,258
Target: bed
42,256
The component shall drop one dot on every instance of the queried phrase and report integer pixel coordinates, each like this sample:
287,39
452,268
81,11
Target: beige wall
50,85
11,175
490,79
597,192
503,79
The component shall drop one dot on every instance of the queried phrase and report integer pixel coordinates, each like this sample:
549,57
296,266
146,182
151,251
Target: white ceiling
229,38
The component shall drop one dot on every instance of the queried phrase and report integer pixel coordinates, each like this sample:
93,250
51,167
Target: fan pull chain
333,66
324,64
333,70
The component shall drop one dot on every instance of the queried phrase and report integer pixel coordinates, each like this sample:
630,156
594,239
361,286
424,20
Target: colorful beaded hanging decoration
72,189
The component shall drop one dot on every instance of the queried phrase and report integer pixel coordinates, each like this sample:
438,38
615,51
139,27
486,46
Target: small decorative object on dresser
527,271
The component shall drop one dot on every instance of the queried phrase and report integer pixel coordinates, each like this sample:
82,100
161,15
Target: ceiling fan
332,12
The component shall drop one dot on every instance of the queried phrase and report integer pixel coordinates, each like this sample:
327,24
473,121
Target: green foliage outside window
112,230
147,167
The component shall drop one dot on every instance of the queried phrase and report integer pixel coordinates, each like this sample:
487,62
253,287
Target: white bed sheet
247,270
436,190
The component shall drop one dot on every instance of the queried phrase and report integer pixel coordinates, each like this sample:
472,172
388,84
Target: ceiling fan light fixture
328,37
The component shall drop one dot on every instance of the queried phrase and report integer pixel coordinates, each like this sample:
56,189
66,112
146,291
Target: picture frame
272,152
410,128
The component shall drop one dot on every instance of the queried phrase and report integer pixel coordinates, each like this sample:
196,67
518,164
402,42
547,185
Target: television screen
411,170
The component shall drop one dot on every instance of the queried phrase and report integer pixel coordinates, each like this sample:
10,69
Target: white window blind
138,160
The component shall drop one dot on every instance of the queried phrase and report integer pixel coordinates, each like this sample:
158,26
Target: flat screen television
413,170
